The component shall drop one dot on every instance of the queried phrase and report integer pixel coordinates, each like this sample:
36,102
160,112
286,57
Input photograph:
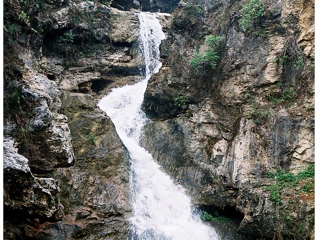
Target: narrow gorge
160,119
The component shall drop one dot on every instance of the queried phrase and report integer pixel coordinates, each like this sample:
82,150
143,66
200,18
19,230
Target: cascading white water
161,209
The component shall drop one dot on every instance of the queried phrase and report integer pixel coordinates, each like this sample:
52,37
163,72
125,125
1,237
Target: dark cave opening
228,212
100,84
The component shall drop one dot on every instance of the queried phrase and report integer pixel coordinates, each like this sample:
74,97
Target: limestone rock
94,191
238,121
25,194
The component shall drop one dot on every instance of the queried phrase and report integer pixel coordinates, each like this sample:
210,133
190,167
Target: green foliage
193,10
52,201
259,115
14,29
213,41
24,18
299,61
196,62
22,133
291,58
211,57
308,187
248,96
199,62
66,38
286,95
288,180
216,218
181,100
250,15
89,139
14,102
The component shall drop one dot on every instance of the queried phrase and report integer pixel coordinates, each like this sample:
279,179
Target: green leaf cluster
193,9
215,218
66,38
89,139
181,100
209,57
250,14
288,180
259,115
286,95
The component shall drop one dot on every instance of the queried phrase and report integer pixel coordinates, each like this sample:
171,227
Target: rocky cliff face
66,171
221,131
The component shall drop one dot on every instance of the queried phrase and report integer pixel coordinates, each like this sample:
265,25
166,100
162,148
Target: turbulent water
161,209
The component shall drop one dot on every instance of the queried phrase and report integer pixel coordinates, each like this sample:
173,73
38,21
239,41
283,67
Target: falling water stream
161,209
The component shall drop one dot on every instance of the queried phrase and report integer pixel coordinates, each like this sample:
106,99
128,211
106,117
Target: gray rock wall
71,177
219,131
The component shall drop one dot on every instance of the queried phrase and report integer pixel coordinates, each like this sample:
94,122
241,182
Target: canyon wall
234,133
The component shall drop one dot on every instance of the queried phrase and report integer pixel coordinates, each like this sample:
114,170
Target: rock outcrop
220,132
66,172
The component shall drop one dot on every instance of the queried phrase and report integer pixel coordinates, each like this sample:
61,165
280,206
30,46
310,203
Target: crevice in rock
95,85
51,76
228,212
100,84
121,44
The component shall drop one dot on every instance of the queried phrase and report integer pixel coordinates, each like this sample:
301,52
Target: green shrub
286,95
65,38
14,29
250,15
211,57
216,218
199,62
193,10
213,41
89,139
24,18
196,62
259,115
181,100
288,180
291,58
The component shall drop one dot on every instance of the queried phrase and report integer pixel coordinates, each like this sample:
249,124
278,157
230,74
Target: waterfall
161,209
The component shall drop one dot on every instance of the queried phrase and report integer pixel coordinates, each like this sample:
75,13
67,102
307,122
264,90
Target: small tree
250,14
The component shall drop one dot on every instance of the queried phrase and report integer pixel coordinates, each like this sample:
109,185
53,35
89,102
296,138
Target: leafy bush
24,18
14,29
209,57
196,62
286,95
89,139
251,14
213,41
193,9
65,38
259,115
181,100
288,180
291,58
